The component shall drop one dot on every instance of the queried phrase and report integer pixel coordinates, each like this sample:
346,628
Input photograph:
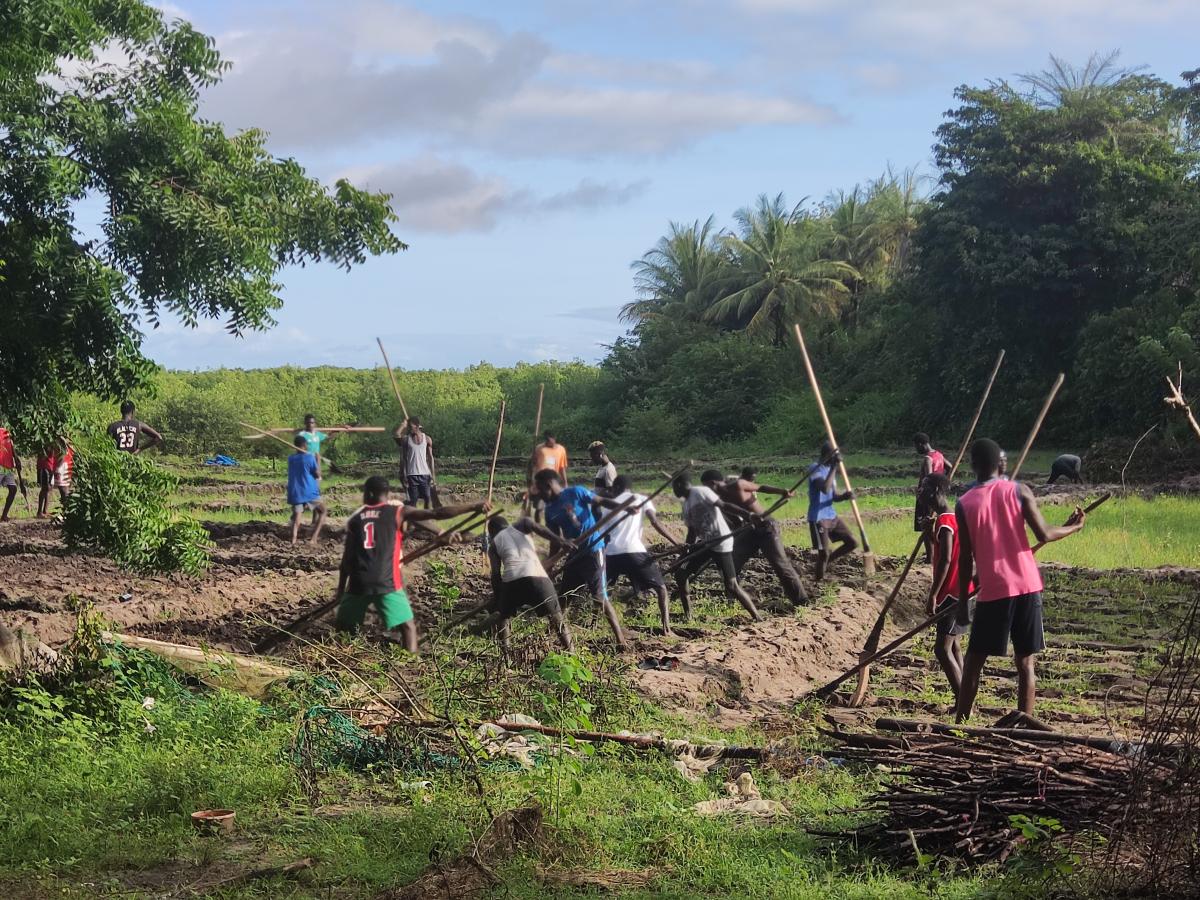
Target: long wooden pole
1037,426
987,392
537,426
872,644
867,554
268,434
496,451
392,376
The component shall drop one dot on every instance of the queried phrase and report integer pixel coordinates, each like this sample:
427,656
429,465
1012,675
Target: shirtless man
762,536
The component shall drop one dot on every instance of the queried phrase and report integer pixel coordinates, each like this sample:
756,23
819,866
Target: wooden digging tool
1037,426
867,554
527,505
872,644
829,688
268,434
392,376
552,561
496,451
1176,400
293,629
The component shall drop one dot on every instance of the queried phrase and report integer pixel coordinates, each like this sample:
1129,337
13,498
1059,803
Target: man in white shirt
606,472
519,580
703,511
626,554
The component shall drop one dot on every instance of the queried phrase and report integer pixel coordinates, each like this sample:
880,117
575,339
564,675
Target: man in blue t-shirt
824,525
569,514
303,488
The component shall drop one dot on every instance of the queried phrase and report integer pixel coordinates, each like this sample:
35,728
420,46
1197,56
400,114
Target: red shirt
8,458
1004,563
950,585
937,462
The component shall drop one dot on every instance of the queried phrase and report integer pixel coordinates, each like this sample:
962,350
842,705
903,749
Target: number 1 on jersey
368,535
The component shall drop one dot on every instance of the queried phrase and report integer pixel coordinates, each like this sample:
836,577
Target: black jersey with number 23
374,550
126,434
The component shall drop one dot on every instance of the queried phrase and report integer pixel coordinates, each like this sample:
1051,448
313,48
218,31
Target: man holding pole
945,587
824,525
625,551
416,462
932,463
569,514
371,573
991,519
606,472
304,489
763,536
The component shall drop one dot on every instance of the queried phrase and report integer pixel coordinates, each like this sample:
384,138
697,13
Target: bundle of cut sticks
956,794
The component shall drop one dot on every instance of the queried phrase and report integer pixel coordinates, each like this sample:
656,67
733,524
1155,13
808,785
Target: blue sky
536,148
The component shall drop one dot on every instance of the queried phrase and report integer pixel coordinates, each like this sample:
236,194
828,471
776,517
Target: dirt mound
764,665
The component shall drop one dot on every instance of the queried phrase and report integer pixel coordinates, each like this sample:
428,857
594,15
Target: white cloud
431,194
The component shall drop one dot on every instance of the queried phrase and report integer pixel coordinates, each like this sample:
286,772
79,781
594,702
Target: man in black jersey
371,572
127,432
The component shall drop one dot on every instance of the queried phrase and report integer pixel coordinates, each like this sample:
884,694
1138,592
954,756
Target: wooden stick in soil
392,376
1037,426
872,644
496,451
908,635
867,554
293,629
527,505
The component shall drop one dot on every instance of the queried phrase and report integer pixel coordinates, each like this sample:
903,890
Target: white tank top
416,455
518,555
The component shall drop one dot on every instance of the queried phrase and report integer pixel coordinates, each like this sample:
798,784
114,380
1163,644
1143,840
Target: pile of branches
970,796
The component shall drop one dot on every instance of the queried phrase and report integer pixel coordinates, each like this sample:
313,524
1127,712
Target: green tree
779,271
679,275
194,222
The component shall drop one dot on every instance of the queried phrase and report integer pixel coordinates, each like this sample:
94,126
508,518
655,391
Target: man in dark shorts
825,527
606,472
625,550
569,514
304,489
127,432
944,587
765,536
519,580
992,518
1068,466
416,462
11,477
371,573
703,512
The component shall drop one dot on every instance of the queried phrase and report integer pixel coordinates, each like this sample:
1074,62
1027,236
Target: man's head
921,442
749,473
550,438
548,482
1003,462
985,458
310,422
299,442
414,424
620,485
496,524
935,492
711,478
376,490
825,450
597,452
681,484
127,409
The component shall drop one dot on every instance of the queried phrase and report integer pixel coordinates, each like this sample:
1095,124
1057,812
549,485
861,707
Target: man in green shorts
371,572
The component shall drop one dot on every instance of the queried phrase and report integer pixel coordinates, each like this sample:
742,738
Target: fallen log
216,668
1033,735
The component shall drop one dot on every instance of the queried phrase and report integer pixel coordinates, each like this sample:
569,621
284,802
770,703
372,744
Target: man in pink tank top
993,544
932,463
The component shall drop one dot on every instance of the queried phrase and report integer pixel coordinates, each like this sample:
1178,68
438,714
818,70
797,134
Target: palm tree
895,202
779,271
679,274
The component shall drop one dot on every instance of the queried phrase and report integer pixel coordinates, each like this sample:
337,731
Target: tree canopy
99,112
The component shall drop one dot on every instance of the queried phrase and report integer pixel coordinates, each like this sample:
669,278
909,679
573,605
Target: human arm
756,488
945,549
494,568
660,528
155,438
398,435
1042,530
429,458
529,526
966,566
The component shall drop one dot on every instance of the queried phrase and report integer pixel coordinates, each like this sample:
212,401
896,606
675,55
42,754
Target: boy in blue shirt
303,488
569,514
824,525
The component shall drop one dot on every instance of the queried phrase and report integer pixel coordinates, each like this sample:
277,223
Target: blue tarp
221,460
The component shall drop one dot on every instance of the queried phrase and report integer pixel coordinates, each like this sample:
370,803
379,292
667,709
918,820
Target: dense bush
119,506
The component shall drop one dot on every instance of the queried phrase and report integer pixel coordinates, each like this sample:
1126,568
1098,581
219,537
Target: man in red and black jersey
372,561
935,494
